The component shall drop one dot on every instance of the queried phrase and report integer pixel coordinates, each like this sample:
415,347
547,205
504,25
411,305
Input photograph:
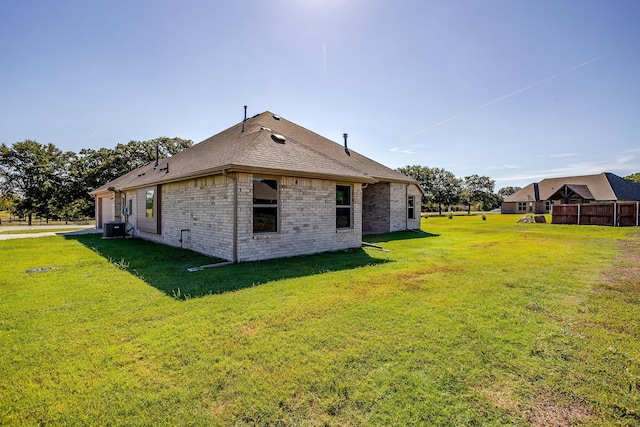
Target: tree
440,186
446,188
507,191
138,153
422,174
32,172
90,169
633,177
478,189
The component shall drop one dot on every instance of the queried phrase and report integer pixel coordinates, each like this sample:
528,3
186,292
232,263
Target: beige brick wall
414,224
204,206
307,220
398,207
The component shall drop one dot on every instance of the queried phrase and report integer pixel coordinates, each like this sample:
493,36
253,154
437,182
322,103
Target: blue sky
516,90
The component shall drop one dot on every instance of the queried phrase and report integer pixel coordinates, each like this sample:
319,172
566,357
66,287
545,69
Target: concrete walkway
86,229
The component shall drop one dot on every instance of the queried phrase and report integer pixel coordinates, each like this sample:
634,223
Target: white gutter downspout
235,214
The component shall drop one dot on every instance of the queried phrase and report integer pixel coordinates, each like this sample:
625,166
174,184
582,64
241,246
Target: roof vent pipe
157,155
346,149
245,117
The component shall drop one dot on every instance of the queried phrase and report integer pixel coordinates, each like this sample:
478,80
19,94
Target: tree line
443,189
43,181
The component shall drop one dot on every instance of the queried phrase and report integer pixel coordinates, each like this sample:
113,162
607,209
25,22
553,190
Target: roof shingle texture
604,186
303,153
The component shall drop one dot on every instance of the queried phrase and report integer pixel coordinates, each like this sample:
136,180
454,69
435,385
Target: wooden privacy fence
615,214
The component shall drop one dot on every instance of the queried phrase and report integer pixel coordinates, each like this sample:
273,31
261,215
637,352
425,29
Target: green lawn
470,323
40,230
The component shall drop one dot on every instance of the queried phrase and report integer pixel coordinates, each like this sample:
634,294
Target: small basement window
265,205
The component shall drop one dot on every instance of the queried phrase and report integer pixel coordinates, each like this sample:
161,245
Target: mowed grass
41,230
471,323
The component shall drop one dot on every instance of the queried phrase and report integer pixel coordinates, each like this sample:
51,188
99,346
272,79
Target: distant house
538,198
264,188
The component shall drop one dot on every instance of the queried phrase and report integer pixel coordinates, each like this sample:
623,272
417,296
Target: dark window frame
411,207
343,221
262,207
145,222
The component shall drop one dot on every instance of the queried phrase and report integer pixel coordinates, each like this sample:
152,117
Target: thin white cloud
504,167
408,152
515,92
394,149
623,163
559,155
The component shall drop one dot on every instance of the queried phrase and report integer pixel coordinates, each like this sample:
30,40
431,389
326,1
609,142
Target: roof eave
244,169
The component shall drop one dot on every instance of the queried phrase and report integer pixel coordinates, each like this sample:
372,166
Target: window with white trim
522,206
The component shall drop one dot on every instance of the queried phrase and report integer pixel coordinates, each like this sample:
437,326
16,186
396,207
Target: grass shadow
398,235
165,267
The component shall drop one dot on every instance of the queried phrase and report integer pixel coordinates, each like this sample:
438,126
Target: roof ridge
310,146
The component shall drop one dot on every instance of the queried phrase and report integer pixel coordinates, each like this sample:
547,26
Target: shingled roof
269,144
602,187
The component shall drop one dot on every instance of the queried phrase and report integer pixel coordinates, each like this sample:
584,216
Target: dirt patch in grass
624,276
545,410
408,275
549,411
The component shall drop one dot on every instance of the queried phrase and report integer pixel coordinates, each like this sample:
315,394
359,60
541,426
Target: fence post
579,213
637,212
615,214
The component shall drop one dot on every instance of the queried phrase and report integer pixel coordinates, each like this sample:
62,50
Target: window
149,203
343,206
147,209
548,205
522,206
411,211
265,205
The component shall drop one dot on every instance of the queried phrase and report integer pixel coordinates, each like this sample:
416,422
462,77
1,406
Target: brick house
539,197
264,188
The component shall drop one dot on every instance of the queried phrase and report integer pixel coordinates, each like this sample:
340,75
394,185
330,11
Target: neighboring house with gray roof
538,198
264,188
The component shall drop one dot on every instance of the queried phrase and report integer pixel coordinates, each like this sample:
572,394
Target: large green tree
440,186
92,168
635,177
479,190
33,172
50,183
507,191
